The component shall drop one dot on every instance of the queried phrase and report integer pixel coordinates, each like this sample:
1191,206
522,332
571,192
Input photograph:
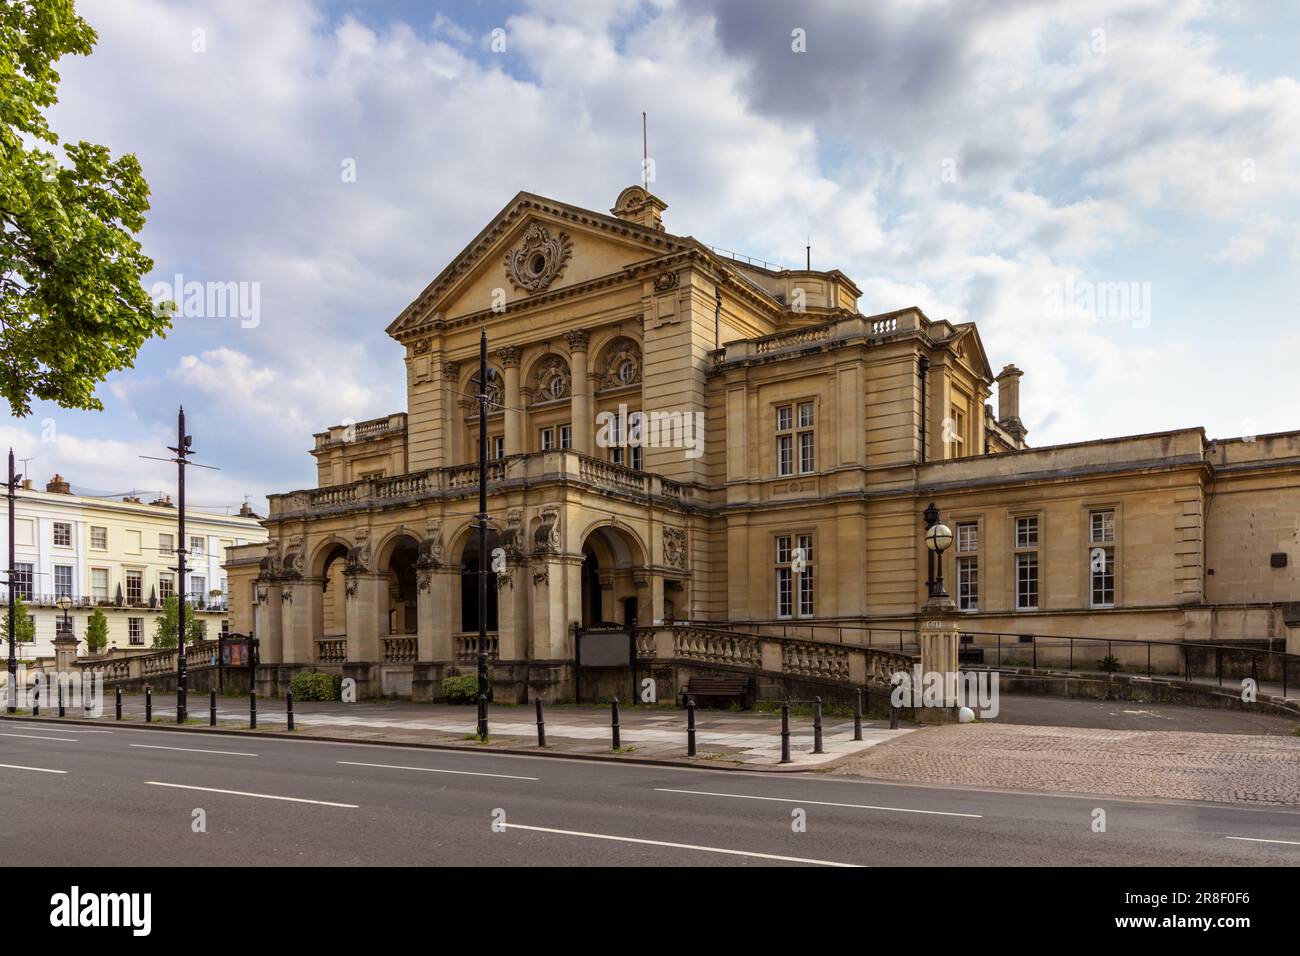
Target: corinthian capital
510,355
577,340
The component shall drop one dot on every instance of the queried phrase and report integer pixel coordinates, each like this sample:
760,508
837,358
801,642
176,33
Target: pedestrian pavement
740,738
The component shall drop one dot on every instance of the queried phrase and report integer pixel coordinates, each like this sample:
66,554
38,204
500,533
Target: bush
316,686
1110,664
462,688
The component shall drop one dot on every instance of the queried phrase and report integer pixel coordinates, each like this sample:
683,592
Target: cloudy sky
1007,163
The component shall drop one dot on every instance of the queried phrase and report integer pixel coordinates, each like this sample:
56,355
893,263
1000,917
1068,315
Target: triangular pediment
533,247
968,346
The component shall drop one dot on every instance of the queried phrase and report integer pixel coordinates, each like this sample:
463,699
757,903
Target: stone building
680,435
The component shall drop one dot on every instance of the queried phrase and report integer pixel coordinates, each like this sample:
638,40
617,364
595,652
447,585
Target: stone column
453,427
514,416
940,638
433,613
65,650
297,627
270,620
364,592
584,425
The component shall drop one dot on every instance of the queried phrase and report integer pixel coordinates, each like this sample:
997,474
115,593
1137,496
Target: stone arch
327,609
615,576
396,558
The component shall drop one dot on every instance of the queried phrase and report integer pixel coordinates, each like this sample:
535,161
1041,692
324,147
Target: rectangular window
198,590
62,534
968,565
789,436
794,574
806,605
807,456
783,602
197,547
1101,558
165,544
134,587
166,586
62,580
784,455
1027,532
99,583
548,439
1027,581
23,581
637,458
135,631
98,538
497,445
566,436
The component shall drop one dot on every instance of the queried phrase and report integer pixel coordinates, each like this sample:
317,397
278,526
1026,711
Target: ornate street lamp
938,538
63,602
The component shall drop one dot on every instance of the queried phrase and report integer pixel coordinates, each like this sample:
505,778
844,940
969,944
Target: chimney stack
1009,402
57,486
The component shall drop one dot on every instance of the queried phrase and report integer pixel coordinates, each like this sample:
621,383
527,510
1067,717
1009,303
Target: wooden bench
739,687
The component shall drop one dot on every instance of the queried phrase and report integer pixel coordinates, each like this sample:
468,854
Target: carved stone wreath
621,365
675,547
539,259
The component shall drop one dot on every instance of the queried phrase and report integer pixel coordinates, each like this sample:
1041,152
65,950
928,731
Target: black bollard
482,717
857,714
613,716
541,725
817,726
893,708
690,727
148,705
117,702
252,708
36,703
288,707
212,707
61,699
785,731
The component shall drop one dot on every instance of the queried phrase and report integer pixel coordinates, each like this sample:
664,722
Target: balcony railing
457,480
84,602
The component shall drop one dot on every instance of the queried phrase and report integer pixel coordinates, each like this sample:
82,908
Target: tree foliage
96,632
24,626
72,304
168,622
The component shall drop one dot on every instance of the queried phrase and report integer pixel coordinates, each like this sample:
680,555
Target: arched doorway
611,594
469,565
399,565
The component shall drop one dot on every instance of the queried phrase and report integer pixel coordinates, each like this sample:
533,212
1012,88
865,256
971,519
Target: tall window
165,543
957,431
791,582
134,587
548,439
99,583
166,586
98,538
805,577
968,565
135,631
497,446
198,589
566,436
62,534
1027,570
796,439
784,578
197,547
23,581
63,580
1101,558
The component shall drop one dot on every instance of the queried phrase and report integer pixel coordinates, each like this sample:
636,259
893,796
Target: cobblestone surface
1224,768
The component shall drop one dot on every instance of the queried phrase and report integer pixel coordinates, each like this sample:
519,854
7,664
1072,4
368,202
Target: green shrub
462,688
1110,664
316,686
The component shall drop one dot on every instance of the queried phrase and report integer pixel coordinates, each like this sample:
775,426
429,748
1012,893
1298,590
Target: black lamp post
12,586
482,534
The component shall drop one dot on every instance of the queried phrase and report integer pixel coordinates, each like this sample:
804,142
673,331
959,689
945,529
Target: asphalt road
129,796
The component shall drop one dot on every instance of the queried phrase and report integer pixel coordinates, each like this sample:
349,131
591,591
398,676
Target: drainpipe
922,368
717,317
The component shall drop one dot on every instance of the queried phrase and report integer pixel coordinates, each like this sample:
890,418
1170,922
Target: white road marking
462,773
1255,840
678,846
66,740
244,793
194,750
14,766
822,803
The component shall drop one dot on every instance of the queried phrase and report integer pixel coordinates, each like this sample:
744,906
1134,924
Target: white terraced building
118,555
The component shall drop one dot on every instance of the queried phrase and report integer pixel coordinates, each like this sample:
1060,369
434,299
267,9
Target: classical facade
119,556
678,435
